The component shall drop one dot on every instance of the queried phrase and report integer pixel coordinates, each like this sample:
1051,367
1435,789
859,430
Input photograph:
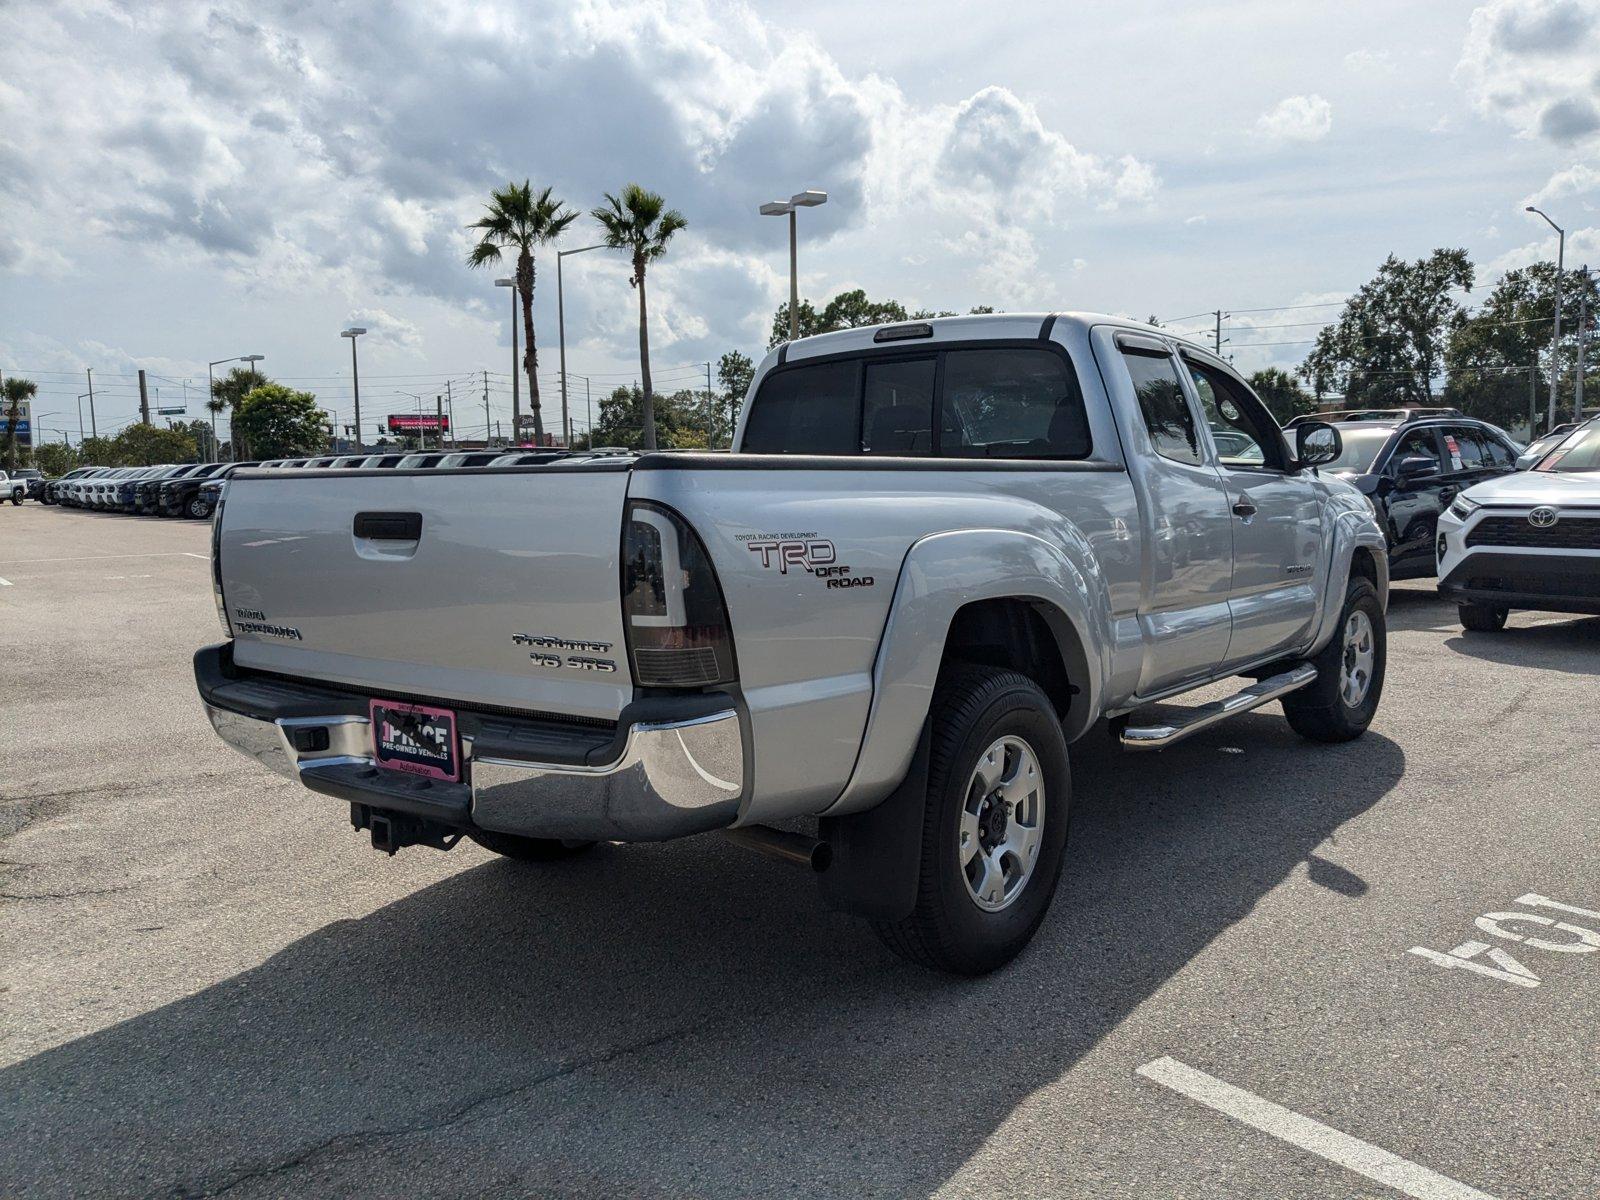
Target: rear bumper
660,774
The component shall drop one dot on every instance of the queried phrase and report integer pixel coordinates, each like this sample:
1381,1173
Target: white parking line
5,583
1322,1140
192,554
12,562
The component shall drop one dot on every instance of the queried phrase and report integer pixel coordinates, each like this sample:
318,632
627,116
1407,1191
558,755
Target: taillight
216,567
672,609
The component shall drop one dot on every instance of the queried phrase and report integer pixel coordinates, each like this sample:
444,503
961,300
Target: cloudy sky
185,182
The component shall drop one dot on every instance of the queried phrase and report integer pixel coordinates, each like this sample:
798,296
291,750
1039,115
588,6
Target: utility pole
1583,345
709,446
1533,396
93,432
438,402
1218,334
450,406
144,399
488,426
588,411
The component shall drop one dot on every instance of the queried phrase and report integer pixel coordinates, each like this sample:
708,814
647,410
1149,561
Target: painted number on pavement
1534,930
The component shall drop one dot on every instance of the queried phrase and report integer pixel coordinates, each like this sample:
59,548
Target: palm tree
14,392
517,218
638,224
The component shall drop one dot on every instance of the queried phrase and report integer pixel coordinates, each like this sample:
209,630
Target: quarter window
1166,412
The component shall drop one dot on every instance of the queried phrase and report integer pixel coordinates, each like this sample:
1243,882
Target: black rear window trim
937,352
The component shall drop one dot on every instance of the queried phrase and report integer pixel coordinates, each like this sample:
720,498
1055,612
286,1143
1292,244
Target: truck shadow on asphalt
1570,646
677,1019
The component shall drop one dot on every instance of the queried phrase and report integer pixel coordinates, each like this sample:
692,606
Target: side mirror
1417,466
1317,442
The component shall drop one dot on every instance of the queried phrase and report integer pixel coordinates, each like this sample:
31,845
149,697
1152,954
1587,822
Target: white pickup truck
939,554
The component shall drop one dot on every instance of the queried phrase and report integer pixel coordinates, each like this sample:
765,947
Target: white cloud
386,330
1580,179
1535,64
1297,119
1375,62
1583,246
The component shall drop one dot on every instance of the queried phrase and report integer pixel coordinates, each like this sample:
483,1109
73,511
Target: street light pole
353,333
561,336
1555,336
516,387
809,198
89,371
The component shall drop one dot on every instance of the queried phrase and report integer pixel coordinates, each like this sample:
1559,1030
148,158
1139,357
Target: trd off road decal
803,552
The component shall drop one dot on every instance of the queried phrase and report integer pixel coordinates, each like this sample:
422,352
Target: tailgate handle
389,526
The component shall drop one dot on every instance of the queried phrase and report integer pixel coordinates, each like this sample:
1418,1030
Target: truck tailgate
497,587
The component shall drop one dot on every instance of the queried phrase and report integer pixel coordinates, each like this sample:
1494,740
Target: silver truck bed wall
504,553
808,641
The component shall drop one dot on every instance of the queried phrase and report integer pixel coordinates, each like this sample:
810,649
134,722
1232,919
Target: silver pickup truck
940,553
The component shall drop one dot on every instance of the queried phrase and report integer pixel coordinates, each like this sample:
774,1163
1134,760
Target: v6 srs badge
803,552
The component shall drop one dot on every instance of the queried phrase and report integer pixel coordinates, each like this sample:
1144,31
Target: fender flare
1351,530
942,573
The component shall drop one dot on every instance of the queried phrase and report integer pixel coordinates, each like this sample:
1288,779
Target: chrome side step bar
1159,737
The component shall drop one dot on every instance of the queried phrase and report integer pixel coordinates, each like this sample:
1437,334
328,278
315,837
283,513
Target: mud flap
877,854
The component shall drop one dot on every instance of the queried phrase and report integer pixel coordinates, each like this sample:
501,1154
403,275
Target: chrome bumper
671,779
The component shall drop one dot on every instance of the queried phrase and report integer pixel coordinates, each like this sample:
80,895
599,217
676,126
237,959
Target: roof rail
1376,414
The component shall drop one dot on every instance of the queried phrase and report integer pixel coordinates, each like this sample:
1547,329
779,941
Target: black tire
197,508
1482,618
947,930
16,499
528,849
1320,711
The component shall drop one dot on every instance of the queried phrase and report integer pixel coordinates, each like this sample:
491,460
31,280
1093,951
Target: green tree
98,452
620,421
517,219
734,373
852,310
1498,359
12,394
54,458
141,445
640,223
279,422
1388,343
1281,393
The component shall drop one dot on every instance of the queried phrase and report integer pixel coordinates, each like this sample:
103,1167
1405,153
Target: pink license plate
416,739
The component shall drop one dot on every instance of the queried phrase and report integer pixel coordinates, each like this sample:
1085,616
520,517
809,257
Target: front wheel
1482,618
995,830
199,509
1341,702
16,498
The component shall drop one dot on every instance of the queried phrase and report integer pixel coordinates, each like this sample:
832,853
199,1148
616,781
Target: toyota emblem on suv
1542,517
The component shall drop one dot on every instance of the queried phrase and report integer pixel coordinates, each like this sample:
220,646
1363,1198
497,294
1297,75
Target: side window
1419,443
1244,432
1166,412
1501,454
897,408
1466,448
1011,403
806,410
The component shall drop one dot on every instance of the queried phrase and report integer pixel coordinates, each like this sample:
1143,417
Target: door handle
388,526
1242,507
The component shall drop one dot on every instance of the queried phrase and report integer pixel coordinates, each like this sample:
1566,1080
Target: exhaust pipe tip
794,848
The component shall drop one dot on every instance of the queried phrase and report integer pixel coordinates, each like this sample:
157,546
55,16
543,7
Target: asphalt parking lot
212,986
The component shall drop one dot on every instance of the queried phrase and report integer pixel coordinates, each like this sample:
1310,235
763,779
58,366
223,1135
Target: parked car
175,494
146,491
383,462
201,502
470,458
1411,468
13,488
1542,445
54,488
33,480
941,552
1529,540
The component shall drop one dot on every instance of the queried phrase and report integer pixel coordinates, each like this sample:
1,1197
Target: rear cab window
993,400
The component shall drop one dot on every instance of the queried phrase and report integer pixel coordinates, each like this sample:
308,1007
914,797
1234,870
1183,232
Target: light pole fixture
516,388
561,338
809,198
1555,336
353,333
89,373
422,437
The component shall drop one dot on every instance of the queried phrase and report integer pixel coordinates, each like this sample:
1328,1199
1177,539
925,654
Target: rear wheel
995,831
1341,702
1482,618
528,849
